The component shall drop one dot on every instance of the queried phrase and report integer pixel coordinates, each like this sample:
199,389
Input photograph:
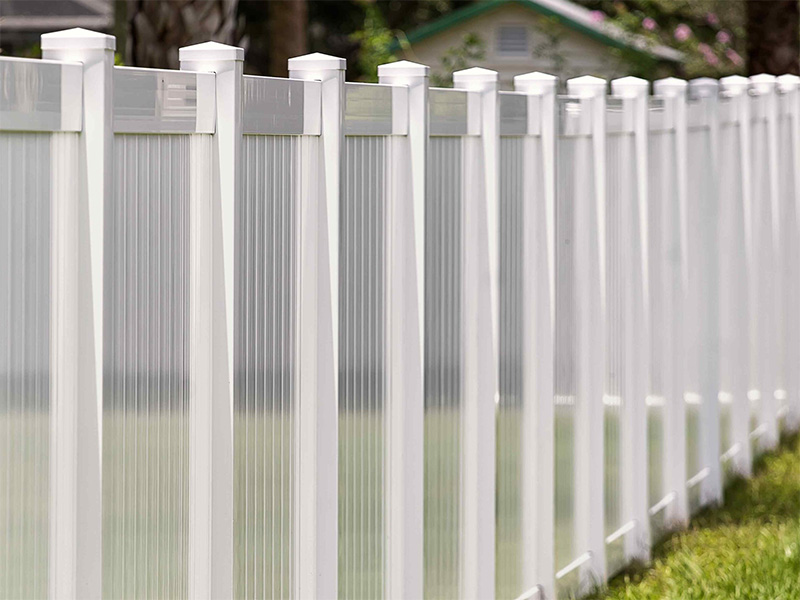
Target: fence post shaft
707,213
211,267
736,86
769,283
76,391
789,87
591,302
406,274
480,355
675,443
538,430
637,330
316,530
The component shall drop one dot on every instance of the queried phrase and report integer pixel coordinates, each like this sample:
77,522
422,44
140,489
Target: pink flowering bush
649,24
683,32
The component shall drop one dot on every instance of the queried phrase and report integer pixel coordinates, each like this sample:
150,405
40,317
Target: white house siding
583,55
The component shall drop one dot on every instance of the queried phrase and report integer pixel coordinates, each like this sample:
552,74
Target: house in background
553,36
22,22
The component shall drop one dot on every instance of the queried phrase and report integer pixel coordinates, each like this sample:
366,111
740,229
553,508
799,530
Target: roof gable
567,13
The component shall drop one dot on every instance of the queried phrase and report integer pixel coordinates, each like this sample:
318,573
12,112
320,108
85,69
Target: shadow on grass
767,502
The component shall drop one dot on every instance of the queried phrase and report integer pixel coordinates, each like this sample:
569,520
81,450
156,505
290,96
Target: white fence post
637,332
767,355
406,273
480,350
76,391
316,529
789,88
706,231
675,442
590,301
736,87
538,475
211,266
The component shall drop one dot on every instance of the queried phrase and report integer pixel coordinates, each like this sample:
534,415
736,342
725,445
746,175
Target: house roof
567,13
43,15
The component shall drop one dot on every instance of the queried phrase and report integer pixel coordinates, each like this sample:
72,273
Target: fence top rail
40,95
454,112
375,109
727,110
620,115
699,113
660,115
280,106
519,114
574,116
160,101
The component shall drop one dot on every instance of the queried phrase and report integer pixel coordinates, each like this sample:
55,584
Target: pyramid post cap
476,75
316,61
78,38
764,83
704,87
634,86
210,51
670,86
403,68
536,82
787,83
587,85
735,85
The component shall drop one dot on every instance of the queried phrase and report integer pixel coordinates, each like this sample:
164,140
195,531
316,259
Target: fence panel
579,339
40,115
349,349
522,201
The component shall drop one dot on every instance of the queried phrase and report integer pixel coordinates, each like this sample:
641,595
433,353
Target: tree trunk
156,30
288,33
773,36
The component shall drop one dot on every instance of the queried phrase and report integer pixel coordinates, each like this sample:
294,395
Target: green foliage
710,33
747,549
471,50
374,41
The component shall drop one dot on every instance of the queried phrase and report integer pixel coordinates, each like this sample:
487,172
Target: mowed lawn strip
747,549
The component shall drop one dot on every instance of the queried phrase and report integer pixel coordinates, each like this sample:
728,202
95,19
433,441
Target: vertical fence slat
538,306
675,243
77,329
211,301
479,350
637,326
318,313
406,277
590,251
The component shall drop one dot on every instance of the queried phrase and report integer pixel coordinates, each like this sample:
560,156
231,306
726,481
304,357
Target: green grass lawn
747,549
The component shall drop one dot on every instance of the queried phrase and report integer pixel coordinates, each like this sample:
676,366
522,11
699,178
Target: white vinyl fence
302,338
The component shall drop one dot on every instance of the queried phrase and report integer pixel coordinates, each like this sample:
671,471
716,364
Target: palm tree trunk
288,34
156,30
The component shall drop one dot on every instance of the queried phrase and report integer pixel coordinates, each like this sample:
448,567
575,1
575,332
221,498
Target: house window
512,40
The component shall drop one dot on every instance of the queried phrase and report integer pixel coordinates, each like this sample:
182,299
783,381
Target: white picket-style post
637,331
211,274
76,389
480,339
789,89
591,302
406,285
706,211
316,490
736,87
767,238
538,306
675,438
